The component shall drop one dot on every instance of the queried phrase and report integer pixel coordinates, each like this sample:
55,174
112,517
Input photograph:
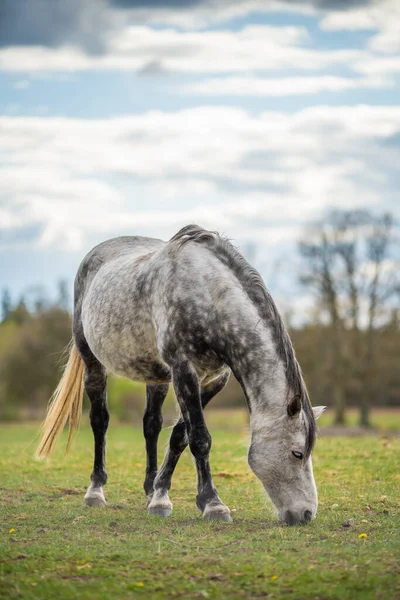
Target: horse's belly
145,370
131,360
129,350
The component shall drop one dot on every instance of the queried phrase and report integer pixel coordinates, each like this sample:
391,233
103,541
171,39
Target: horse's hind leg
152,424
160,503
95,386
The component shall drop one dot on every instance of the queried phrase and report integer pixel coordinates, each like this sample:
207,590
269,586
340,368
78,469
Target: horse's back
144,299
111,250
195,307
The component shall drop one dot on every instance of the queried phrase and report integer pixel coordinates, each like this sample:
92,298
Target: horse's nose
292,518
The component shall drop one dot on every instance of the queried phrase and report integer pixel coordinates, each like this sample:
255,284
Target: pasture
53,546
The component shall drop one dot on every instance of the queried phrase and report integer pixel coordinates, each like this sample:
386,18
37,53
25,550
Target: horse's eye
297,454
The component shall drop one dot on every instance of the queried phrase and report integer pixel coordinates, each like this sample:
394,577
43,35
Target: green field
54,547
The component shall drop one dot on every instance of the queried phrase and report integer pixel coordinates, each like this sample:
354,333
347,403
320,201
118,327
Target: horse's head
280,456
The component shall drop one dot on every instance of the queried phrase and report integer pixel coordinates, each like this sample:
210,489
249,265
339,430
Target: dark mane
257,292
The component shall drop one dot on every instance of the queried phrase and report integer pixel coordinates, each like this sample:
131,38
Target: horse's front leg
177,443
193,426
152,424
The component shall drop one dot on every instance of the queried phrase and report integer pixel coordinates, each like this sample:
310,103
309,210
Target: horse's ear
318,410
294,406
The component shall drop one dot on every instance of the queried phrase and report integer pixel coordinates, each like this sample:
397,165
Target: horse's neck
261,372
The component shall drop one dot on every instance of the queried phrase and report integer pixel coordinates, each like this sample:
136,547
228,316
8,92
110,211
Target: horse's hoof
218,516
217,513
160,505
97,501
159,511
95,497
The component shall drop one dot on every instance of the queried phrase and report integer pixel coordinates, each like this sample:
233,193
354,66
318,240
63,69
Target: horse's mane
256,290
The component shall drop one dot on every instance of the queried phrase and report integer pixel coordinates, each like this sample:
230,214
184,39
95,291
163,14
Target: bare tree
348,264
381,286
318,250
6,304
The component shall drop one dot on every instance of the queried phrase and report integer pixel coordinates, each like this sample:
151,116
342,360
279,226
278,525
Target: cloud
268,4
20,235
53,23
284,86
378,66
89,24
140,48
198,14
154,67
382,16
64,36
257,177
154,4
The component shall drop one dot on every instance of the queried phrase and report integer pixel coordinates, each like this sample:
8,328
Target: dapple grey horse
190,311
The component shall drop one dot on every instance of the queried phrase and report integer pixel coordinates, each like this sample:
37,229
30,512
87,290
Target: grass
385,420
53,547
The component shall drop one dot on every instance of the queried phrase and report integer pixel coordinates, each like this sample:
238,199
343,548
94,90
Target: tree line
348,345
351,265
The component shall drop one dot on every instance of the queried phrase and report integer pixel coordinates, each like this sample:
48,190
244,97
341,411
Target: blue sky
252,117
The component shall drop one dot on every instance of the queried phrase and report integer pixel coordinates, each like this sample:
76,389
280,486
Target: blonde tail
66,402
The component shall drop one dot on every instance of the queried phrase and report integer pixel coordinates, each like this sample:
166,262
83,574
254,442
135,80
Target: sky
137,117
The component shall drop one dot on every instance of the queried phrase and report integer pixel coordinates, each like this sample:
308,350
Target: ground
54,547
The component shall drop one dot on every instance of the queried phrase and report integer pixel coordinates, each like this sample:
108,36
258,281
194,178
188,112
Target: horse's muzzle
291,517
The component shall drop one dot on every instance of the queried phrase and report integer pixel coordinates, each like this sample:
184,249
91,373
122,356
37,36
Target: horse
190,311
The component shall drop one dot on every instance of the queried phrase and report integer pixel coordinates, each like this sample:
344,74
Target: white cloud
259,48
382,17
284,86
351,20
378,66
208,12
123,46
255,177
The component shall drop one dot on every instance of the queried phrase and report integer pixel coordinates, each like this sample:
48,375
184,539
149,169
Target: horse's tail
66,402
